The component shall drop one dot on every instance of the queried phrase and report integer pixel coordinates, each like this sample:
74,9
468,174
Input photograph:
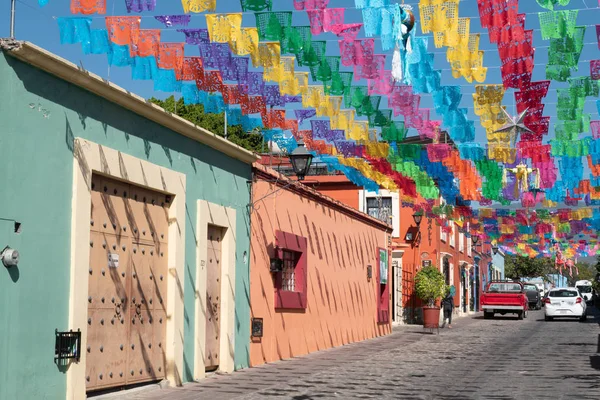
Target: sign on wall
383,266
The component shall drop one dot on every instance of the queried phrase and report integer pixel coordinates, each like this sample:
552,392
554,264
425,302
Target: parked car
565,302
533,296
501,297
585,288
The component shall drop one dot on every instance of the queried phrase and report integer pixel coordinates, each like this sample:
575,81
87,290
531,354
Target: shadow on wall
13,272
87,105
339,253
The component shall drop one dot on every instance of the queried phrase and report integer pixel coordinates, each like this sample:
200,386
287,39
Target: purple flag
174,20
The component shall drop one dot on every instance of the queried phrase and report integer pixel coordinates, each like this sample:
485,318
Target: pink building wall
342,303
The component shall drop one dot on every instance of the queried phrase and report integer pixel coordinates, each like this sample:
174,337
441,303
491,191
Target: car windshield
563,293
585,289
504,287
530,287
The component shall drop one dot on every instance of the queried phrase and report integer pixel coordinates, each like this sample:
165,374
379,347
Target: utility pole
12,18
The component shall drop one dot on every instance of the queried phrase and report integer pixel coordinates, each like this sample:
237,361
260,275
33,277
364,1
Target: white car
585,288
565,302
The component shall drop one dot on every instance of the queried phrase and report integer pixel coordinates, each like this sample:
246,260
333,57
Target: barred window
288,276
380,208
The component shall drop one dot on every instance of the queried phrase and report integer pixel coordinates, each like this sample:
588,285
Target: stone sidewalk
270,377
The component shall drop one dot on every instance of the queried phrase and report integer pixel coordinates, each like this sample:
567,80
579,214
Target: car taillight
578,300
546,301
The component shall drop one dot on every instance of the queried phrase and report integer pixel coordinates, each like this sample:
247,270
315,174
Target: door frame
224,217
92,158
397,310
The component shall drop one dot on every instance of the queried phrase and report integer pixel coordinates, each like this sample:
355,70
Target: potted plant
430,286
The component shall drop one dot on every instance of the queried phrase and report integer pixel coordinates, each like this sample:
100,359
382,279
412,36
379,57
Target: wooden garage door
127,285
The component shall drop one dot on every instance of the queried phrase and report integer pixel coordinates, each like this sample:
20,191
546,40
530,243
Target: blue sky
38,25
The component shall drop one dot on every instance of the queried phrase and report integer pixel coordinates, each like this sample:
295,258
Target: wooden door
127,285
213,297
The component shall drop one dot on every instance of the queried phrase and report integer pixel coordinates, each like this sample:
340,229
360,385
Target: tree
214,123
596,284
516,267
586,272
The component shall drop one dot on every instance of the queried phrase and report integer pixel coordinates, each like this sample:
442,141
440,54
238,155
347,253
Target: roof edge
264,173
63,69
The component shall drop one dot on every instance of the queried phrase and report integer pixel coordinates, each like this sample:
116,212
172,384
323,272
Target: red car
503,297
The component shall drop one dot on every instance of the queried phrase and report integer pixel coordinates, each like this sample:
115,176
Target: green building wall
40,115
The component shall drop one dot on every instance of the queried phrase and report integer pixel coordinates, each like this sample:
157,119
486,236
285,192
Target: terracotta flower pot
431,317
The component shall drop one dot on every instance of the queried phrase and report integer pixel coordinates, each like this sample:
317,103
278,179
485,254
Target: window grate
67,346
288,275
380,208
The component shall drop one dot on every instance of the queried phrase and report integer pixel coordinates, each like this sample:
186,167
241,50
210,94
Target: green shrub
430,285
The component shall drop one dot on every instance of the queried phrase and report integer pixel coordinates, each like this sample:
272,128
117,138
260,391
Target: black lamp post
301,160
418,217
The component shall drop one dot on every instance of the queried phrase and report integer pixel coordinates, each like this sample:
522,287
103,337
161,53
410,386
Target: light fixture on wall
475,239
418,217
276,265
495,249
301,160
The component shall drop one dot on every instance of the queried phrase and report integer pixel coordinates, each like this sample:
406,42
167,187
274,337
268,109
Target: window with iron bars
380,208
288,274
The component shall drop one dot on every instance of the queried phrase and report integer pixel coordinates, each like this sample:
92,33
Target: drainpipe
249,211
12,18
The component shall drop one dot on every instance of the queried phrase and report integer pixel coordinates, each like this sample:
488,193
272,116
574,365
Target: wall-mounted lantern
276,265
495,249
369,272
418,217
475,239
301,160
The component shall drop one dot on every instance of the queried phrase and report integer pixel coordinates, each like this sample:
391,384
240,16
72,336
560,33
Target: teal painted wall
40,115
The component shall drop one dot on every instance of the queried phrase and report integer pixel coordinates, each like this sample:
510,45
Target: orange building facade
319,271
463,263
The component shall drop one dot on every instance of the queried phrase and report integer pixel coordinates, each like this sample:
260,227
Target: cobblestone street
503,358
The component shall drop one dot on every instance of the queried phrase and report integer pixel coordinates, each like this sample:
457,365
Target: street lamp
475,239
301,160
418,217
495,249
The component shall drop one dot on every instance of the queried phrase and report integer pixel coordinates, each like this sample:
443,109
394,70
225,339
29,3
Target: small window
291,289
380,208
288,278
